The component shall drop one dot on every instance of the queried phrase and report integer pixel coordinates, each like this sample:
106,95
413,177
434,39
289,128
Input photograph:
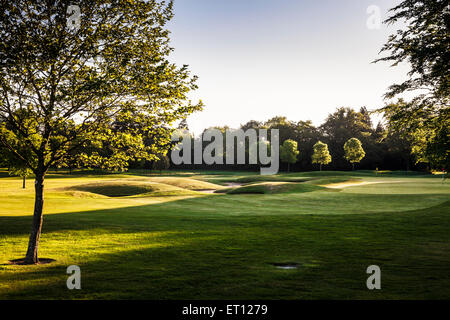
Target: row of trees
289,153
385,147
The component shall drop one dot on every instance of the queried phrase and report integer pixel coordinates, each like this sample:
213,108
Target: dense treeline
384,148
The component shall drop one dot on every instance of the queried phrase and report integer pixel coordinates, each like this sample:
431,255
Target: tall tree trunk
353,166
288,166
33,244
23,182
320,167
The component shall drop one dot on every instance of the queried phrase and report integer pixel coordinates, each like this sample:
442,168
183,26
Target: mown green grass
172,242
272,188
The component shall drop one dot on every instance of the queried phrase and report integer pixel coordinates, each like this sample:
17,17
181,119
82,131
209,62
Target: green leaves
321,154
353,150
102,95
425,44
288,151
22,172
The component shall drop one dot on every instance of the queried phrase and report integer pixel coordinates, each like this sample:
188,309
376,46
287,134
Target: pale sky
296,58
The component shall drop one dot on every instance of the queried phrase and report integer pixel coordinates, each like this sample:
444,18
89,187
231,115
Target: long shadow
231,259
181,213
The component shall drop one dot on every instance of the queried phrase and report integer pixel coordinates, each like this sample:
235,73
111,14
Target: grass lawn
140,236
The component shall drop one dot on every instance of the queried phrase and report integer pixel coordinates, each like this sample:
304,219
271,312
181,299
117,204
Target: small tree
321,154
354,151
162,163
21,171
289,152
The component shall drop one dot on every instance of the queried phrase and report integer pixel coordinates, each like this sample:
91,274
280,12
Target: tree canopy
424,43
354,151
162,163
321,154
289,152
75,92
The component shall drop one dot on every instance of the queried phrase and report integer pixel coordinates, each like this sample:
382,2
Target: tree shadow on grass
195,269
196,213
204,256
237,264
204,268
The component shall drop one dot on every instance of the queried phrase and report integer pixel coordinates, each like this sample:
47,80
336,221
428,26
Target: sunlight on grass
163,239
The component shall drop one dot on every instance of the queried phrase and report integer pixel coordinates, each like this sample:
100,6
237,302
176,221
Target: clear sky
296,58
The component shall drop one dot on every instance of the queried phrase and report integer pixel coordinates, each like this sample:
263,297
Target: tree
303,132
344,124
437,149
398,147
321,154
306,134
418,139
424,44
354,151
22,172
286,128
289,152
162,163
252,124
63,88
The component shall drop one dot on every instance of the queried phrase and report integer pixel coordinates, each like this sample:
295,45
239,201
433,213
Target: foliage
96,94
424,43
162,163
354,151
107,86
22,172
385,146
427,142
289,152
437,149
321,154
344,124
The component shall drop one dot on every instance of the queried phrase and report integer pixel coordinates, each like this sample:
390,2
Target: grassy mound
276,178
319,174
184,183
275,187
128,188
81,194
400,173
333,180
